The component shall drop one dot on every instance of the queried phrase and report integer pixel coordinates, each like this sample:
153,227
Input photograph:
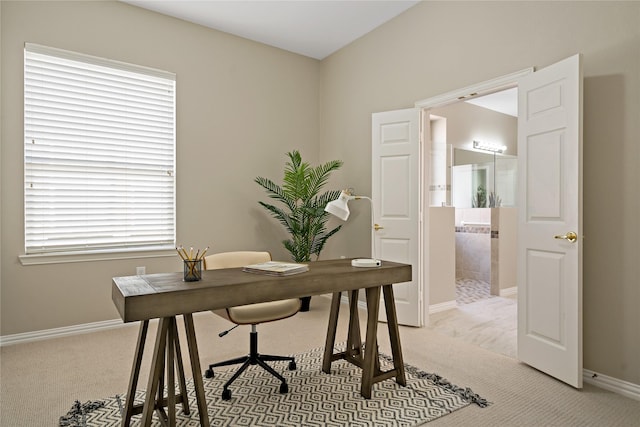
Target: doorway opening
470,160
474,169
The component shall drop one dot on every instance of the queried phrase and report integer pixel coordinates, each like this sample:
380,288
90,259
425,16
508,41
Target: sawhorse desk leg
353,350
369,361
166,356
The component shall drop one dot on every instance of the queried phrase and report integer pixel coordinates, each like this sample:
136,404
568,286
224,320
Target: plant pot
306,303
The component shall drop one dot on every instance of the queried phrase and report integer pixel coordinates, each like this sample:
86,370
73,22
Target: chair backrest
235,259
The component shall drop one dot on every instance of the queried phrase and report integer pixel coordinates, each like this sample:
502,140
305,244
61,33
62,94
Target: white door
550,215
396,199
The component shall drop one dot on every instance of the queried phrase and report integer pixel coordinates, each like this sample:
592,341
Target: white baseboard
507,292
615,385
59,332
68,330
443,306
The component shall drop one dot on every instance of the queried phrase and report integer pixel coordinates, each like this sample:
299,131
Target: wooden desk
164,296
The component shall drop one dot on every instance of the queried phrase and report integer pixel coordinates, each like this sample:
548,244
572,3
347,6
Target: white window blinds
99,154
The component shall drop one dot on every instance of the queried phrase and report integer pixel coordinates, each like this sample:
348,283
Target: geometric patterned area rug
314,399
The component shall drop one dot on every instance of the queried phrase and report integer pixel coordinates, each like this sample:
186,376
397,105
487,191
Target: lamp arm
339,208
373,236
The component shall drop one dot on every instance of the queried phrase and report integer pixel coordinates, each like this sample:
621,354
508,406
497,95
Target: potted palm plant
301,207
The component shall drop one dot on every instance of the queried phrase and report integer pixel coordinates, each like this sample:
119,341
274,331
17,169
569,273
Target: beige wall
240,107
437,47
442,255
504,250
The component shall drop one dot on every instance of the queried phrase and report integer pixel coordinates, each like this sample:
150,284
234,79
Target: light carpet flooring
40,380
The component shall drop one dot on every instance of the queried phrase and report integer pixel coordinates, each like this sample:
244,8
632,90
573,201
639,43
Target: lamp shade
340,207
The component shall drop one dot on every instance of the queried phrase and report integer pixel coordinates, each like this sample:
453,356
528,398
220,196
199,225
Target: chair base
253,358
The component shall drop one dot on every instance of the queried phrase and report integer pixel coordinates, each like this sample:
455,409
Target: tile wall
473,244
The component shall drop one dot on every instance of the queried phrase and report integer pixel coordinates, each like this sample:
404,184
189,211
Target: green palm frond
303,217
319,175
295,177
320,242
275,191
279,214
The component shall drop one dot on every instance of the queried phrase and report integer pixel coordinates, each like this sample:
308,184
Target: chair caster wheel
284,388
226,394
292,365
208,373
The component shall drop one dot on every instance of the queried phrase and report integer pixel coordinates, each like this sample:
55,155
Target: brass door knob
377,227
570,237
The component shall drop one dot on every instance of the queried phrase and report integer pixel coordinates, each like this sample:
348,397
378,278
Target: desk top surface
166,294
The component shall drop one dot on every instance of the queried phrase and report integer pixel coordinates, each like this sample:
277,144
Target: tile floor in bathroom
471,290
481,319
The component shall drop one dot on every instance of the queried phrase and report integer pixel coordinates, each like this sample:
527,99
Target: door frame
487,87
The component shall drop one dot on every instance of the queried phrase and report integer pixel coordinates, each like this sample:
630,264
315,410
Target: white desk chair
252,314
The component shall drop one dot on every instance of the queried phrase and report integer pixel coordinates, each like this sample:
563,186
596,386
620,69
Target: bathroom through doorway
473,169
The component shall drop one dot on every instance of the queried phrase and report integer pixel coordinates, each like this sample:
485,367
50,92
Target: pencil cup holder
192,270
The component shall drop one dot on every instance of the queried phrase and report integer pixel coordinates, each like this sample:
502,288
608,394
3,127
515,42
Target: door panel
550,189
544,194
395,200
545,268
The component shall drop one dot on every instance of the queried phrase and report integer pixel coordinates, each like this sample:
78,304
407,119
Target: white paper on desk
276,268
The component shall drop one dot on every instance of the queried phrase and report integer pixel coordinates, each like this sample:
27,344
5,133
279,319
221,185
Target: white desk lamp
340,208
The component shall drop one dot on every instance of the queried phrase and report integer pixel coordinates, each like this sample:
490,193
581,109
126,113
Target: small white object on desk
365,262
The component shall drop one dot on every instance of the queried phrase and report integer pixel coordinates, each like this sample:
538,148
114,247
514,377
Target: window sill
89,256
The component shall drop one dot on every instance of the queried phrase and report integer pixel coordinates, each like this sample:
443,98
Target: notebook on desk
276,268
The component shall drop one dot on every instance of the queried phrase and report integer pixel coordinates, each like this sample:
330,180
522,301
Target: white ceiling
505,102
313,28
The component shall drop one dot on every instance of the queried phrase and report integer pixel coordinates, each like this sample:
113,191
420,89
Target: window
99,154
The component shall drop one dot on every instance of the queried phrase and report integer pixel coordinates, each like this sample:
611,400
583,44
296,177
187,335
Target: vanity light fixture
489,146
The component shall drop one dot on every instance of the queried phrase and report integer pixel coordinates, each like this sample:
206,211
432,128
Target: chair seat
263,312
251,314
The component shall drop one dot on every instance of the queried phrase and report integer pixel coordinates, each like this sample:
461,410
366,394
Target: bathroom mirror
482,180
